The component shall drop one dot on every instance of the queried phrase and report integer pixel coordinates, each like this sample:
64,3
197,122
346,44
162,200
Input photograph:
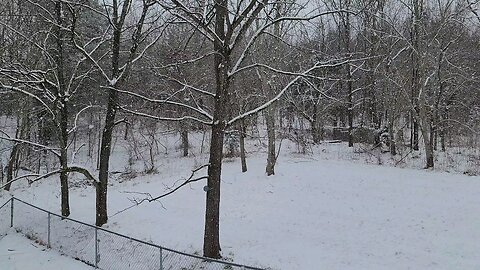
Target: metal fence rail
99,247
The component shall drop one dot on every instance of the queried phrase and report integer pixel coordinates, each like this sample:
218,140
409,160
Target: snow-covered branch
166,101
174,119
262,29
33,144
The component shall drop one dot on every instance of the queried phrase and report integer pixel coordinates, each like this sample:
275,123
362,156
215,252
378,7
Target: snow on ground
313,214
460,160
19,253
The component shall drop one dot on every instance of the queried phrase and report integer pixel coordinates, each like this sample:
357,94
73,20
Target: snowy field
19,253
313,214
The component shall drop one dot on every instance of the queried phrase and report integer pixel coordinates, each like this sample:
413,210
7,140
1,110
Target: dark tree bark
12,160
243,134
270,111
271,158
185,144
415,39
112,102
391,133
211,239
433,134
62,114
314,131
348,71
314,123
118,77
11,166
443,131
105,151
350,108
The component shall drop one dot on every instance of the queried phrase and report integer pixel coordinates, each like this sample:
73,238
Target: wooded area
76,74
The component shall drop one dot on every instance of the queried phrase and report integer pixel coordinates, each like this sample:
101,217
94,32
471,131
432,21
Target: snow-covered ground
19,253
313,214
334,208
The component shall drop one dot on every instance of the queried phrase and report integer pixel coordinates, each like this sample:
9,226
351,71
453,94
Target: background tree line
75,75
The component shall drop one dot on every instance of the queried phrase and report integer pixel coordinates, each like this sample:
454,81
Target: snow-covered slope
19,253
313,214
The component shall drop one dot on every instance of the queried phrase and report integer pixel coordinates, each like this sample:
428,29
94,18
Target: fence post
11,212
48,232
96,247
161,259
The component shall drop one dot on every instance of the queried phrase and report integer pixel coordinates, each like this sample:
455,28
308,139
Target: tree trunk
243,134
271,158
350,110
314,131
106,144
64,185
185,145
105,149
2,176
270,93
90,139
415,39
432,135
425,124
10,167
211,238
428,147
12,160
62,112
348,68
443,133
415,125
65,205
314,124
393,148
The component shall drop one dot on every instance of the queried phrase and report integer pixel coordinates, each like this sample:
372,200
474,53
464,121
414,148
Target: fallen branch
39,177
150,198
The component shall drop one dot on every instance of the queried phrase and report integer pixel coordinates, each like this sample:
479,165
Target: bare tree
51,84
121,20
232,38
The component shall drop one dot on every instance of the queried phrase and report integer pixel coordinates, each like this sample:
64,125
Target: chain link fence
98,247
